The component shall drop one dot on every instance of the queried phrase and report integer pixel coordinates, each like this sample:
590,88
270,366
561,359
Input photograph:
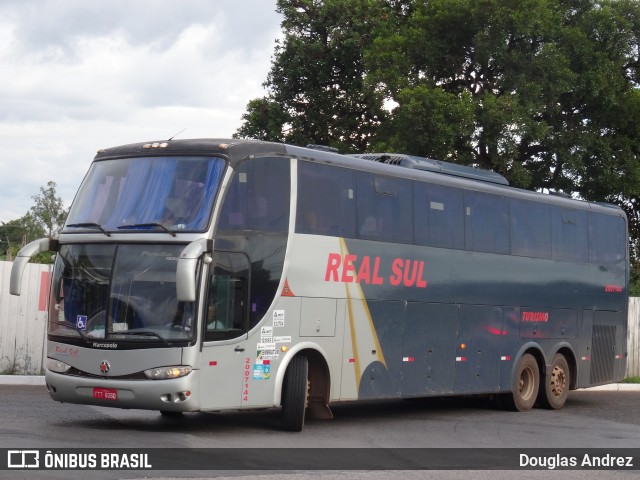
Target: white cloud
76,76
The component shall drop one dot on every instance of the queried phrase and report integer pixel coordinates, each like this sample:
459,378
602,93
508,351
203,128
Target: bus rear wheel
295,394
556,384
525,386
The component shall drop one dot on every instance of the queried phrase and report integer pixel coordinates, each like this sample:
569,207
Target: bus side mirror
186,269
23,257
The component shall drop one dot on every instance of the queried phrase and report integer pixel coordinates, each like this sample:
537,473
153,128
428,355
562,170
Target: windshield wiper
89,225
143,333
143,225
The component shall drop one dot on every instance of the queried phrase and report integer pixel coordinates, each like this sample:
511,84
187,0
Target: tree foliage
316,88
552,86
45,219
17,233
48,211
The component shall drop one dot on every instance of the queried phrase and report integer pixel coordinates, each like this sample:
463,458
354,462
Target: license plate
105,393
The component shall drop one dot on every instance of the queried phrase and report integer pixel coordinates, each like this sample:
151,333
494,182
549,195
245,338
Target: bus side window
258,197
486,222
226,310
530,229
384,208
606,239
569,234
326,203
438,216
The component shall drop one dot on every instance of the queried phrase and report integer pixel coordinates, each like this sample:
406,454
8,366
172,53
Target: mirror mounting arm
23,257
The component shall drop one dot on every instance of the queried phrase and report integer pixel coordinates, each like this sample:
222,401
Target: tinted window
125,292
486,222
569,233
530,229
438,216
258,198
385,208
227,298
326,200
606,238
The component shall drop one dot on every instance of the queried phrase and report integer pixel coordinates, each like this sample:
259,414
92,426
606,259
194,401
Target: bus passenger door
222,375
226,363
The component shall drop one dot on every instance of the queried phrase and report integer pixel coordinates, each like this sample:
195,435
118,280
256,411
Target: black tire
295,393
556,384
526,383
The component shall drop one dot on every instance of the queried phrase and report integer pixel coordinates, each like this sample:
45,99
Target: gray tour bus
205,275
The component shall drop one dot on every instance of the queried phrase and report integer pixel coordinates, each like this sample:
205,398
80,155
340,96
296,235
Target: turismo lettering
342,268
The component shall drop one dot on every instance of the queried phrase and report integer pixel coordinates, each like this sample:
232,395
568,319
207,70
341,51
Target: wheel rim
526,383
558,381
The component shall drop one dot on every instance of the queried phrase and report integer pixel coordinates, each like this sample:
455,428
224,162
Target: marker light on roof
156,145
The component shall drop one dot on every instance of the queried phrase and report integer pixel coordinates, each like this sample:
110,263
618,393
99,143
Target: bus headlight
56,365
164,373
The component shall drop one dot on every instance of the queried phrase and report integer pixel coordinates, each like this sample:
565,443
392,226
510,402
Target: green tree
15,234
264,120
48,211
545,90
316,88
45,219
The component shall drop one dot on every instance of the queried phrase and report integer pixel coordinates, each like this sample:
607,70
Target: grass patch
631,380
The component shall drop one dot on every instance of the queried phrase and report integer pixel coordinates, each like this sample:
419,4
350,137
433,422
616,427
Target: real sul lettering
367,270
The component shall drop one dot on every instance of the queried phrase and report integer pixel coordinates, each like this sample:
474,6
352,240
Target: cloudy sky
78,75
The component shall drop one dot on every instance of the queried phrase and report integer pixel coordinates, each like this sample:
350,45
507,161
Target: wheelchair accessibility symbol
81,322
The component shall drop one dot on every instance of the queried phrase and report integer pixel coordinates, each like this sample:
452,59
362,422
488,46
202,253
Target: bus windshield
119,292
147,194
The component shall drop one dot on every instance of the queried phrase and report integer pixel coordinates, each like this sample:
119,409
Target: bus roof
393,164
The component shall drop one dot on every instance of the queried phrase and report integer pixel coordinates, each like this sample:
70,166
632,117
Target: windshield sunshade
147,194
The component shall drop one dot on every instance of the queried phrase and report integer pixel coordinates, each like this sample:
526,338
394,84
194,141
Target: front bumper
174,395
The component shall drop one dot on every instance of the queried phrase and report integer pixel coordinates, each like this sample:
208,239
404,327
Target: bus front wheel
295,394
556,384
526,385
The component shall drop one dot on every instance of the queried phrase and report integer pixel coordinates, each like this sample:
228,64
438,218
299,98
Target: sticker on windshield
81,322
